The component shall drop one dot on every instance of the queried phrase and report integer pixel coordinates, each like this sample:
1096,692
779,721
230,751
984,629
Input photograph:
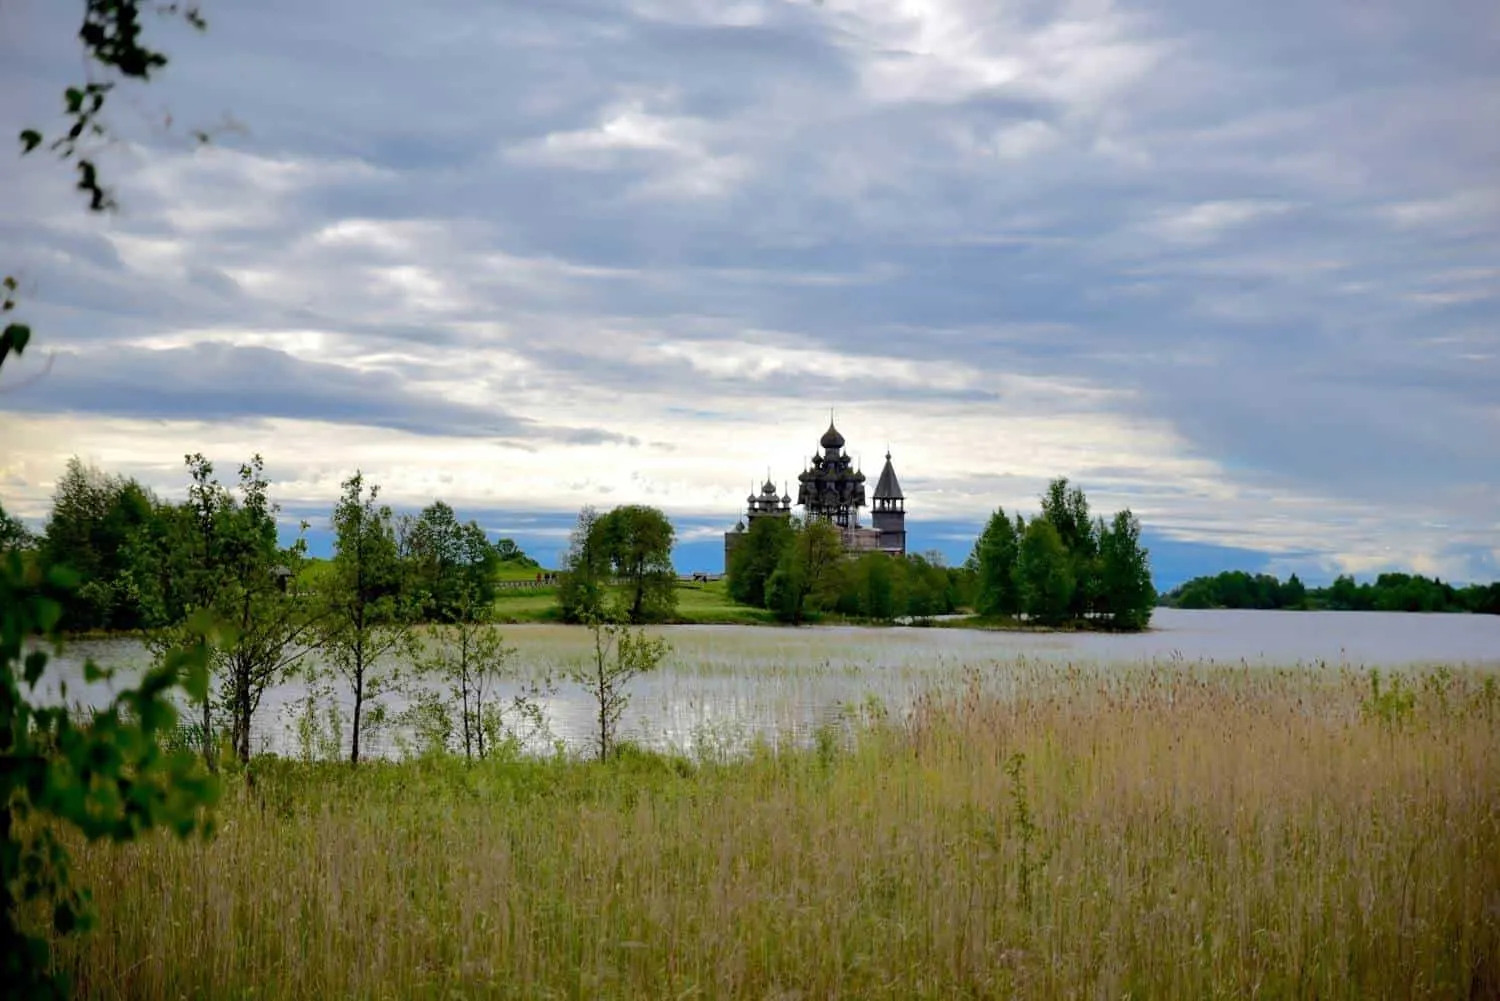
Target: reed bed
1167,831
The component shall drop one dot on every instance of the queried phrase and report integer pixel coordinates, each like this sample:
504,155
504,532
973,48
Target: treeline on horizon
1062,567
1389,592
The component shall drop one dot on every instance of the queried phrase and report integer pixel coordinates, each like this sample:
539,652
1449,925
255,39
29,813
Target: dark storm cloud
218,382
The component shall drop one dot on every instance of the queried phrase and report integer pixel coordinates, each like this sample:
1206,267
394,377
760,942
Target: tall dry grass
1163,832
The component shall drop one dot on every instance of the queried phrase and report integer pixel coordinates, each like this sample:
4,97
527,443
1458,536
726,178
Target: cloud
1232,267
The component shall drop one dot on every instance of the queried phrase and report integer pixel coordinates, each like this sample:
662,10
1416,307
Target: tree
807,573
1292,594
191,550
93,521
875,578
1067,508
507,551
107,777
469,656
619,656
1125,573
445,561
1044,574
755,558
995,556
13,533
270,627
638,543
585,571
362,619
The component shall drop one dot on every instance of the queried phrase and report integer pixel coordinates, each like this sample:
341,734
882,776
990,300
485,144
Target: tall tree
585,571
362,618
1125,573
445,561
808,573
755,558
638,541
219,552
1044,573
1066,507
271,627
995,556
94,519
199,551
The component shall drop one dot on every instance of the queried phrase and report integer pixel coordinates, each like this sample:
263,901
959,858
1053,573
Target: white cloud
1243,286
1208,221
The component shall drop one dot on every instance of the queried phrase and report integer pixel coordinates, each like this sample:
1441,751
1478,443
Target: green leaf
63,577
74,98
30,140
14,338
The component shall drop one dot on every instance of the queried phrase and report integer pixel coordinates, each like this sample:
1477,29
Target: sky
1233,266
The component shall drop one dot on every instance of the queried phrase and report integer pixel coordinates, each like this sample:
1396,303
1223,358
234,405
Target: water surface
723,686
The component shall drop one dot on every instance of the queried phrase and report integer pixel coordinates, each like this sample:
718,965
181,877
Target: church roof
831,438
888,488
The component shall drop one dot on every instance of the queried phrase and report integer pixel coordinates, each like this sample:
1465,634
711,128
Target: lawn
1182,831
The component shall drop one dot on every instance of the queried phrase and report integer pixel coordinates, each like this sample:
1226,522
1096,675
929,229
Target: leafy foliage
468,657
447,563
111,775
1063,567
807,574
1126,593
111,37
362,615
638,543
96,519
1389,592
631,547
584,581
620,655
995,557
220,552
13,533
755,558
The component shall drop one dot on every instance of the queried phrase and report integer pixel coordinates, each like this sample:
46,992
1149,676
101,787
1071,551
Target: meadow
698,603
1021,829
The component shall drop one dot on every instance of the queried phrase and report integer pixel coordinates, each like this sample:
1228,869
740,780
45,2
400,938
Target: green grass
697,604
515,571
1036,832
709,603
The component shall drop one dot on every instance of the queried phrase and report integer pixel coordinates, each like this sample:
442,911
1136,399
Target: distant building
831,489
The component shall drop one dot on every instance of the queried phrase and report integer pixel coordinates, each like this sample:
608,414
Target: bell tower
889,513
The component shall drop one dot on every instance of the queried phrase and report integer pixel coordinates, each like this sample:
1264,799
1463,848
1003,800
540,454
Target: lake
723,686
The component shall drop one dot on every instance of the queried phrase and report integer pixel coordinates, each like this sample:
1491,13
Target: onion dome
831,438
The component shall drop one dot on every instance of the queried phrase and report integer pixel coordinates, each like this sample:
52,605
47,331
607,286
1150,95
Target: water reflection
725,686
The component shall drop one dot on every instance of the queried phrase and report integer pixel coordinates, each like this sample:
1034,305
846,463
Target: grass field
1025,831
697,603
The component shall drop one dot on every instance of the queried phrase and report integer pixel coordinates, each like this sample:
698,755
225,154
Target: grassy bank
698,603
1180,833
